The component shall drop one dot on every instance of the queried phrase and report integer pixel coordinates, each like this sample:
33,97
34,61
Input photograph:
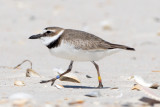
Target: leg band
57,77
99,78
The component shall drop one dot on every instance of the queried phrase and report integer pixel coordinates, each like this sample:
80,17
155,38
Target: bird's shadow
83,87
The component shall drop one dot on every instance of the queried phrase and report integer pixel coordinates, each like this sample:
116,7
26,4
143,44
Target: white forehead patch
53,30
47,40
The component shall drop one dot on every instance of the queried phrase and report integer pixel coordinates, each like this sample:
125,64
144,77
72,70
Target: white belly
67,51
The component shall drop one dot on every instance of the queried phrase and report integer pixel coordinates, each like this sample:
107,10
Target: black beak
35,36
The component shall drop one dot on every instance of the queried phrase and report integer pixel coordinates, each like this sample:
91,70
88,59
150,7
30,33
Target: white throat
47,40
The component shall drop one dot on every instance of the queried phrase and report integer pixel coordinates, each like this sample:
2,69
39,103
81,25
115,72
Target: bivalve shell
19,83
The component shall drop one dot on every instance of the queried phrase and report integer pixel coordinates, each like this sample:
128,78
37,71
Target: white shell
21,100
140,81
58,86
150,93
19,83
18,96
106,25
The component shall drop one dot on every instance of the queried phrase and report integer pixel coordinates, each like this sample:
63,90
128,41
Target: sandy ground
135,23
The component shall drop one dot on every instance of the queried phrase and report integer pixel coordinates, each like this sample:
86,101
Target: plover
76,45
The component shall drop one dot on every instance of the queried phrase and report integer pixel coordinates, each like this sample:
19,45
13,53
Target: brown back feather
87,41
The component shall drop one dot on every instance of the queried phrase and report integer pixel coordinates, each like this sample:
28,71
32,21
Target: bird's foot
100,85
51,80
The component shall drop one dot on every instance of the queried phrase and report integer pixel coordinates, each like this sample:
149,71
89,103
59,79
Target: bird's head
51,34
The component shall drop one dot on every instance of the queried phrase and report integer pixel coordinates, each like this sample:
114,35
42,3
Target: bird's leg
58,76
99,77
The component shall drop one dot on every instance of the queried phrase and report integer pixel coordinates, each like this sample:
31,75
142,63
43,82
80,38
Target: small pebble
106,25
88,76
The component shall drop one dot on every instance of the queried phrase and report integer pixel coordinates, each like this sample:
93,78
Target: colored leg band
99,78
57,77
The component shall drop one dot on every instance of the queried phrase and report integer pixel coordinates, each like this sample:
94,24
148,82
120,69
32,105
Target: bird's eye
48,32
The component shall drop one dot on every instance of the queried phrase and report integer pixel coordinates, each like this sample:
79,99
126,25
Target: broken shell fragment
71,77
140,81
150,93
76,102
130,78
18,96
154,86
32,73
19,83
20,103
136,87
58,86
155,71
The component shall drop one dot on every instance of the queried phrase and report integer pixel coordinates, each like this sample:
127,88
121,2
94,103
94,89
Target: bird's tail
122,47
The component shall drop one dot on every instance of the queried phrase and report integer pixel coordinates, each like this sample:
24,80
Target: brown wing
85,41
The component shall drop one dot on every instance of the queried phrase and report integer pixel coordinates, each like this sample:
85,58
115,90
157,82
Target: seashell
130,78
120,95
140,81
150,93
19,83
58,86
76,102
48,104
136,87
20,96
71,77
96,103
154,86
106,25
32,73
66,98
155,71
21,100
93,94
116,95
20,103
